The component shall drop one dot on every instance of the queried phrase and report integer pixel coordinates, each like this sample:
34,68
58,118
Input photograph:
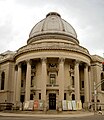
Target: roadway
91,117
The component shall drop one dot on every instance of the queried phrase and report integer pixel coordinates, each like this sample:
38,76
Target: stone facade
51,67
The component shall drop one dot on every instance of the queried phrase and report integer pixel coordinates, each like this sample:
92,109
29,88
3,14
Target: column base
86,105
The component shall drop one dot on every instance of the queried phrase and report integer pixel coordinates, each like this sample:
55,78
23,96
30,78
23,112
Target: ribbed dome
52,24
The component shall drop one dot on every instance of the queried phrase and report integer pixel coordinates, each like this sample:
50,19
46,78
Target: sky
17,18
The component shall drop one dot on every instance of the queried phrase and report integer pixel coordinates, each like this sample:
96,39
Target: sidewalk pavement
47,114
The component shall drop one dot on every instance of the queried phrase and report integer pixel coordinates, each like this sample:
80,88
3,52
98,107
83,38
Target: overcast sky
17,17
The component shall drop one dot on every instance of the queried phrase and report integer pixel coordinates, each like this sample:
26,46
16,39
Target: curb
45,115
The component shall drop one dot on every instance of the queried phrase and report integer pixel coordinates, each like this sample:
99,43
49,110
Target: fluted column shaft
77,87
28,81
61,79
18,87
86,83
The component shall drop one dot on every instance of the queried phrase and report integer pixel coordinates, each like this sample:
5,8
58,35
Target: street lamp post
95,92
95,97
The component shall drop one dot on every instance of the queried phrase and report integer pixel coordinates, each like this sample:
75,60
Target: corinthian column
44,78
86,83
18,86
76,76
28,81
61,79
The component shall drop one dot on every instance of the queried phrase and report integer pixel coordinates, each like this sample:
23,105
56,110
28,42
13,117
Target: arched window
102,79
2,80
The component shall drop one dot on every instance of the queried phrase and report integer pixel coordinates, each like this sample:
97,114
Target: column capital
86,65
44,59
77,62
28,61
19,65
61,60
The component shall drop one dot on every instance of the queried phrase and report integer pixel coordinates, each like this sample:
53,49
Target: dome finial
53,13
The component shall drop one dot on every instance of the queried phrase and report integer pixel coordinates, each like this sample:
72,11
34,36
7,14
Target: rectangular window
52,78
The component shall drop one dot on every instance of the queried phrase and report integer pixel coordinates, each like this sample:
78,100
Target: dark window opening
39,96
32,81
103,66
73,81
22,98
31,97
82,84
2,80
82,99
73,97
64,96
21,83
102,81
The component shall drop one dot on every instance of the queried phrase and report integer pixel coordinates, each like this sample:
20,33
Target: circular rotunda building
53,67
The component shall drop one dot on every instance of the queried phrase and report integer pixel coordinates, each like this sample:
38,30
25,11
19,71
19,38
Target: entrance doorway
52,101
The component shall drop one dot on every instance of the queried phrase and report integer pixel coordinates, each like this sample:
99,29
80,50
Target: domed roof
53,24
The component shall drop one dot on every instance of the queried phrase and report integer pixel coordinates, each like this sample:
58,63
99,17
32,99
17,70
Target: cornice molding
51,35
52,46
